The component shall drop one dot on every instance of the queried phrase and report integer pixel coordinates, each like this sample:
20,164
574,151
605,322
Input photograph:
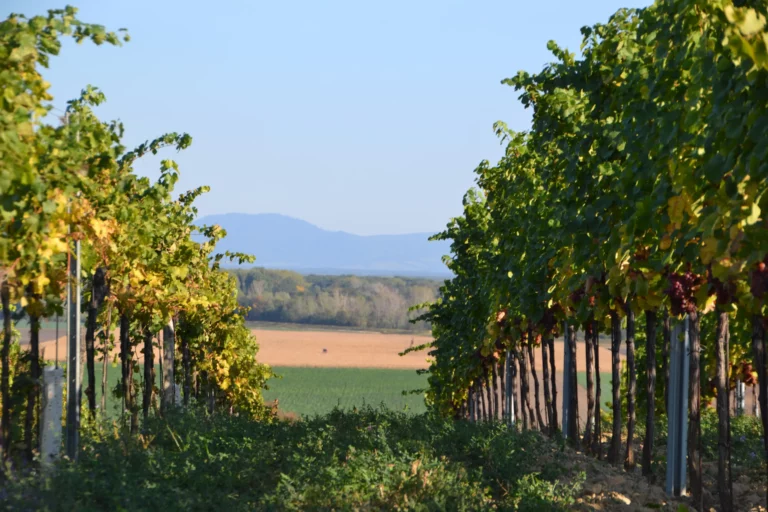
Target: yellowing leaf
666,242
749,21
708,250
25,129
720,271
709,306
675,209
754,215
99,228
40,283
701,296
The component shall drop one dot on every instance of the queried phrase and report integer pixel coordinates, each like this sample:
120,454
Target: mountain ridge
280,241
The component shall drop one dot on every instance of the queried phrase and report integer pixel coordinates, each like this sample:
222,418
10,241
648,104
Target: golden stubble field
359,349
366,350
339,349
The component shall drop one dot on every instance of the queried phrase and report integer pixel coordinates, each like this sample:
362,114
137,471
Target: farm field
605,387
113,377
282,326
340,349
313,363
311,391
300,352
282,346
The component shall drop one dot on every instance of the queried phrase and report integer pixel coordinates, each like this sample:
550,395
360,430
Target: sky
364,116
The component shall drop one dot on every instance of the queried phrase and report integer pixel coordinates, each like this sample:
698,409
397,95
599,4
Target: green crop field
114,405
309,391
605,387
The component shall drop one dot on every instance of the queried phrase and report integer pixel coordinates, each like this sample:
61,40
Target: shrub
370,459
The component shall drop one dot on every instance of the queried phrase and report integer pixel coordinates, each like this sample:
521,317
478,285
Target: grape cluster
681,290
746,373
577,295
726,291
549,320
759,284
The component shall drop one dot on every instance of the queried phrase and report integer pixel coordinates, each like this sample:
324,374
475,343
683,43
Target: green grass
371,459
114,405
605,387
309,391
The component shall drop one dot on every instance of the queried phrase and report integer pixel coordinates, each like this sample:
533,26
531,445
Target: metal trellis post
677,409
566,378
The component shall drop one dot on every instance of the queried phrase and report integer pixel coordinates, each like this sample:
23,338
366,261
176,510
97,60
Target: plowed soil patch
340,349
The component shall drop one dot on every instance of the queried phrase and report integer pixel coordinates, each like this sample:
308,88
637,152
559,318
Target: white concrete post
50,423
741,392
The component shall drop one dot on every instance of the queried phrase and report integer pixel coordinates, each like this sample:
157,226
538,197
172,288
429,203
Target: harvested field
340,349
331,349
356,349
344,349
283,348
360,349
366,350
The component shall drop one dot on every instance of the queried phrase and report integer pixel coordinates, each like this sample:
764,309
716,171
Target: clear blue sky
363,116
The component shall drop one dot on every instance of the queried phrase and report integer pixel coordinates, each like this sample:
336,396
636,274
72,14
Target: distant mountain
286,243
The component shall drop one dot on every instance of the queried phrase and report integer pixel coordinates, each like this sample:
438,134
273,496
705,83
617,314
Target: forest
349,301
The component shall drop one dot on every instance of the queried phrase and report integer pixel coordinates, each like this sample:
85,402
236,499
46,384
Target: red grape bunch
681,292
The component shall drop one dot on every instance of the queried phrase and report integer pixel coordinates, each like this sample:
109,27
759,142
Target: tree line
635,199
151,289
350,301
